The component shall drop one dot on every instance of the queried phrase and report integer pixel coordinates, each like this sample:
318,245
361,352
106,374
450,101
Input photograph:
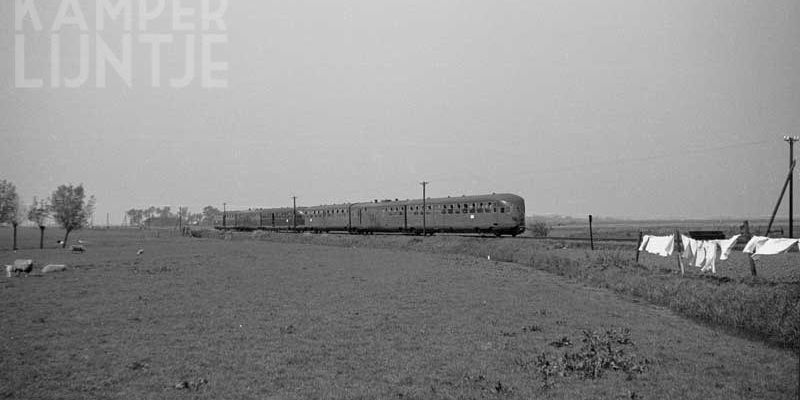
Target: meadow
253,316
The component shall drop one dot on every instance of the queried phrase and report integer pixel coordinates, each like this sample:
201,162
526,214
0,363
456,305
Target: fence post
638,243
678,249
745,229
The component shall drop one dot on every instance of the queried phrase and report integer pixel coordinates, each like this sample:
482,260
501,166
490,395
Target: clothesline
703,253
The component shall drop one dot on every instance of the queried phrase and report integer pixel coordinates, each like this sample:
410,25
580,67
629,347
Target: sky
640,109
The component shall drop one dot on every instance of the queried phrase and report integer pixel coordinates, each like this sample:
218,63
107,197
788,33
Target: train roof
340,205
383,203
447,200
281,209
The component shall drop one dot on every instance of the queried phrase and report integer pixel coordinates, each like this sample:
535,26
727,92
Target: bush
539,229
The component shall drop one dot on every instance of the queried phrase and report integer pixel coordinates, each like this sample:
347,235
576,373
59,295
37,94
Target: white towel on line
774,246
754,244
661,245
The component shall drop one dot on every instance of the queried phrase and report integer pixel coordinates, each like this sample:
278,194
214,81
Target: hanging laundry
661,245
690,247
754,244
770,246
726,246
709,251
704,252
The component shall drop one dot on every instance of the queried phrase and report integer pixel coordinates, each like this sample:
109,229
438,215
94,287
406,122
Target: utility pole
424,208
294,213
791,141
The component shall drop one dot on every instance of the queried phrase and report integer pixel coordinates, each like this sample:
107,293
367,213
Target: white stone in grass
54,268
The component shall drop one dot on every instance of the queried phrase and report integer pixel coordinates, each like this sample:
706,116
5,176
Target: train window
502,209
495,209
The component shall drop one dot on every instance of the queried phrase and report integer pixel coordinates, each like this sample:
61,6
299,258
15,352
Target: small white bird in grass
140,252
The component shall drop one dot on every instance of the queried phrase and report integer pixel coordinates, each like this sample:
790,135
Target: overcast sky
614,108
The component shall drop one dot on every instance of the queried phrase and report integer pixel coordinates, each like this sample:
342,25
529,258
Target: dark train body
261,218
498,214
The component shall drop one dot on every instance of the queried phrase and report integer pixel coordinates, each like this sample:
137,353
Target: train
497,213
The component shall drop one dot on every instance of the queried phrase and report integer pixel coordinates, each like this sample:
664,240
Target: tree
149,212
164,213
209,213
183,215
70,208
135,216
38,214
9,207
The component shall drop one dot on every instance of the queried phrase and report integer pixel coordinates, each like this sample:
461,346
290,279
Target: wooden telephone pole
294,213
791,141
424,208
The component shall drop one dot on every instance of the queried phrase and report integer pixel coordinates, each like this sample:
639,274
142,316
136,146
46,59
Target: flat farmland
243,319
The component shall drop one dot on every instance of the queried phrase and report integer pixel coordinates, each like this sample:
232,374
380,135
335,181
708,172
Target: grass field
248,319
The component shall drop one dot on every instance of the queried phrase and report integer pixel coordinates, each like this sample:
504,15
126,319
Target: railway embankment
766,308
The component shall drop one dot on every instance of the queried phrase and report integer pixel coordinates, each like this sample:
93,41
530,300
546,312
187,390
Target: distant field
630,229
250,319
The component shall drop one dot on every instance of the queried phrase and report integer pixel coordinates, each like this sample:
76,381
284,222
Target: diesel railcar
498,214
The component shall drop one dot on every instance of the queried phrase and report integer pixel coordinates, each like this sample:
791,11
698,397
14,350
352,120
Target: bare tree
9,207
38,214
71,209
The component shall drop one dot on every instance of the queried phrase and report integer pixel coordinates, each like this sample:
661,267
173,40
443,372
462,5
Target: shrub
539,229
604,351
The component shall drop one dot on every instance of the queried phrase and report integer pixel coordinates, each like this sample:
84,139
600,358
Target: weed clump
604,351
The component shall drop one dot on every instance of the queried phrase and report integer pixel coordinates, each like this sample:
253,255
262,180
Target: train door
405,217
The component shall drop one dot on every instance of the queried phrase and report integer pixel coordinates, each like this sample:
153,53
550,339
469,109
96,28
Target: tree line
165,217
68,206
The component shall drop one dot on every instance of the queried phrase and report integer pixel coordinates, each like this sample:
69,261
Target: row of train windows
473,206
449,209
327,212
444,209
